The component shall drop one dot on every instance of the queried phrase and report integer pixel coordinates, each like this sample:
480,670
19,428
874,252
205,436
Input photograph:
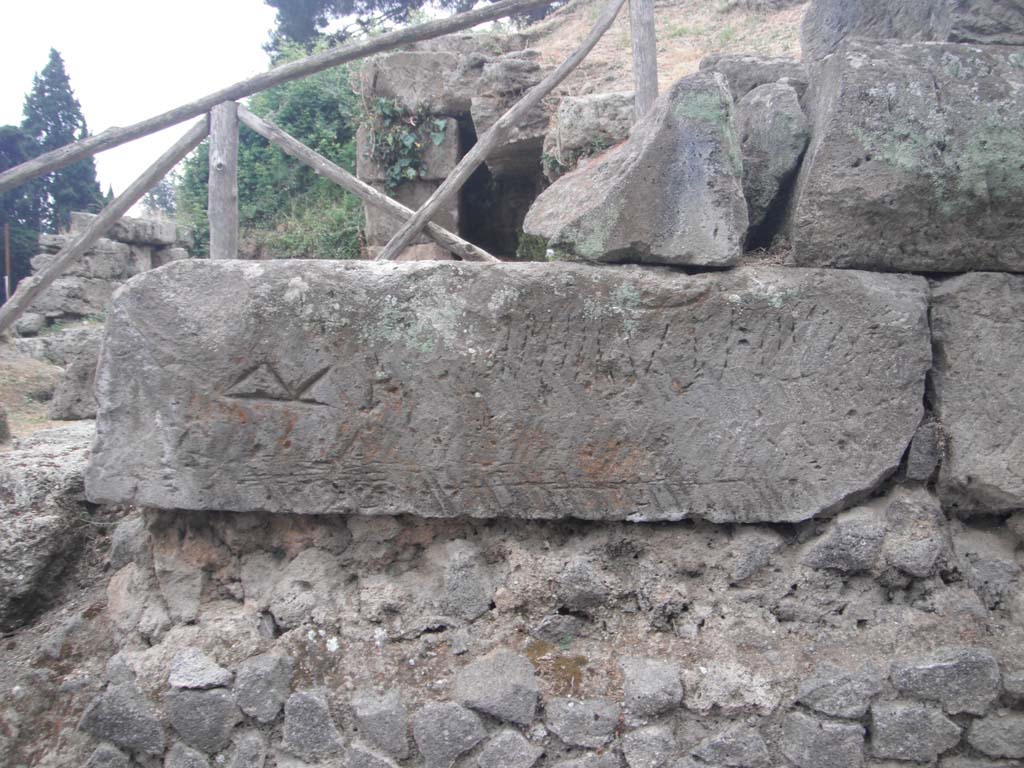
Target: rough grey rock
752,549
359,756
181,756
383,721
960,679
912,162
584,125
163,256
746,71
508,749
605,760
828,23
978,323
41,502
60,346
107,260
501,684
129,543
580,586
972,762
671,194
925,452
840,692
998,735
773,133
180,582
309,730
122,714
650,747
416,80
738,746
811,742
29,324
203,719
468,592
249,751
911,732
306,588
132,231
582,723
650,686
916,534
74,397
5,428
191,668
851,544
989,562
262,684
258,384
444,731
107,756
74,297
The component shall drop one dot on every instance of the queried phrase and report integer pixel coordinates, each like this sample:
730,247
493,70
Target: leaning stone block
914,162
747,71
672,194
978,325
507,390
584,125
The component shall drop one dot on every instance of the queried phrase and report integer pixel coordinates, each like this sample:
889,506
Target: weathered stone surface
41,502
738,746
913,160
960,679
508,749
604,760
988,560
828,22
74,398
580,587
811,742
501,684
773,134
106,260
262,685
415,80
911,732
59,347
29,324
840,692
650,686
203,719
998,735
584,125
916,534
253,390
972,762
5,428
925,452
309,731
74,297
191,668
360,756
249,750
582,723
650,747
383,721
444,731
746,71
134,231
381,227
978,325
181,756
107,756
467,589
671,194
851,544
122,714
437,159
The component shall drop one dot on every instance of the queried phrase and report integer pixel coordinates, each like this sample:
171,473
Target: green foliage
19,207
52,118
161,200
285,209
399,140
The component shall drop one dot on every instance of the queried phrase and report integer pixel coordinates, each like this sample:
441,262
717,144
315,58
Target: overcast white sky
132,59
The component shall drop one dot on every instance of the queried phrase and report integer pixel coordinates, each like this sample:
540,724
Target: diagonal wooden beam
495,136
30,288
324,167
113,137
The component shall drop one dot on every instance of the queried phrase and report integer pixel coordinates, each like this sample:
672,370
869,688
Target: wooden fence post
645,54
222,203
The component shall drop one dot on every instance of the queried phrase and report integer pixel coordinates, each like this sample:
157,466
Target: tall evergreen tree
19,207
53,117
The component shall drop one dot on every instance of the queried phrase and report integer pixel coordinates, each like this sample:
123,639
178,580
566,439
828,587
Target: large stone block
584,125
515,390
381,226
747,71
437,159
828,23
914,162
671,194
417,81
978,327
106,260
161,232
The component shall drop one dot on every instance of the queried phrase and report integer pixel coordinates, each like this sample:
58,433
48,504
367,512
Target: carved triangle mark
262,381
304,392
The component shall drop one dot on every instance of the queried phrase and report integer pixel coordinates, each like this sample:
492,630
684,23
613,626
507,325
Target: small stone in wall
123,715
107,756
998,735
468,593
360,756
262,685
738,746
960,679
383,721
509,749
501,684
582,723
5,429
309,730
851,544
974,762
191,668
650,747
580,586
917,534
751,550
250,750
989,561
203,719
604,760
916,732
181,756
650,686
444,731
812,742
840,692
925,452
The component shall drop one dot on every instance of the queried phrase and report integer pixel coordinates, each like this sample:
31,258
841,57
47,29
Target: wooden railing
222,116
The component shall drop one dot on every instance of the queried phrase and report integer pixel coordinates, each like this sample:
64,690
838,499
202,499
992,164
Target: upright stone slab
978,327
672,194
915,160
511,390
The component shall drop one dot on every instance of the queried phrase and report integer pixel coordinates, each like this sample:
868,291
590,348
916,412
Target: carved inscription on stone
515,390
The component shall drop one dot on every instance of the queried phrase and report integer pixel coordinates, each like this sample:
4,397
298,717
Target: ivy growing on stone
400,138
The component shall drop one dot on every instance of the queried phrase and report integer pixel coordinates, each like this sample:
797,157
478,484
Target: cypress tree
19,207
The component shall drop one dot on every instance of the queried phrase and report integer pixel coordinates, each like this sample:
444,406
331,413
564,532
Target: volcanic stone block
584,125
437,159
914,162
978,326
747,71
671,194
415,81
508,390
